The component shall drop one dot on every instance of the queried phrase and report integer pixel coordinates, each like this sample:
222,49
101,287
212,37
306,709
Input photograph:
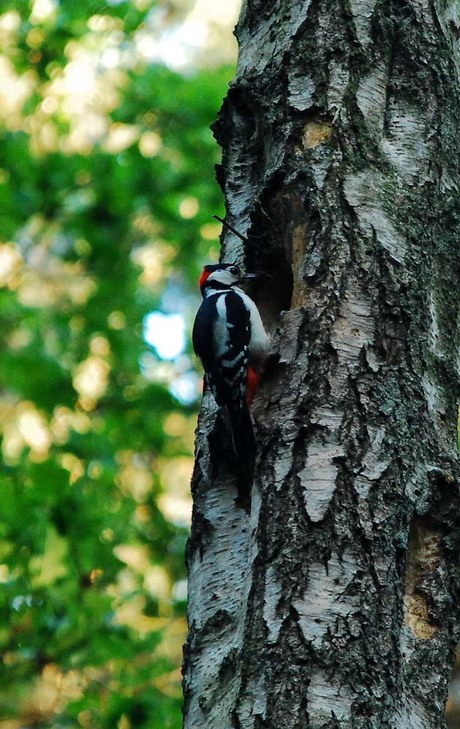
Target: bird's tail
244,448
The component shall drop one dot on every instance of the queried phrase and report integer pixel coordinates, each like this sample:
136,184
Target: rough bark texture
334,604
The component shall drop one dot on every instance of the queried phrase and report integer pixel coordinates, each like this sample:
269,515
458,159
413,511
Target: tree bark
335,602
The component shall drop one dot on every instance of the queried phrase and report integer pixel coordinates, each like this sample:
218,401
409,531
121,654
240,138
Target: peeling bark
335,603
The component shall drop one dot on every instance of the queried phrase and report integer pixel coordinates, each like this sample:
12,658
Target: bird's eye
234,270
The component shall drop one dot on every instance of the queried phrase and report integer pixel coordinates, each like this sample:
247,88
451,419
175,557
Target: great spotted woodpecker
230,339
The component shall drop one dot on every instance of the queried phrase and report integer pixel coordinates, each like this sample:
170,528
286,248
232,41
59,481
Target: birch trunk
335,603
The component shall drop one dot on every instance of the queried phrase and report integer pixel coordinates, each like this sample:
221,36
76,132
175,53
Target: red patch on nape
203,278
252,386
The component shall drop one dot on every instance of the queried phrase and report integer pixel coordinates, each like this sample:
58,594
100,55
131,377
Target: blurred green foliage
106,190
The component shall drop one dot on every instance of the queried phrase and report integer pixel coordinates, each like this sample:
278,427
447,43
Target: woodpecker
230,339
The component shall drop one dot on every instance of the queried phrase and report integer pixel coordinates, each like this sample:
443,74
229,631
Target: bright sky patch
165,333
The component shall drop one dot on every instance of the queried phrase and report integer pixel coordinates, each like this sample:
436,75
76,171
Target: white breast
259,342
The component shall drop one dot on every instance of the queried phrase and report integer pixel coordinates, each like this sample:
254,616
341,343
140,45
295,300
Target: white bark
333,605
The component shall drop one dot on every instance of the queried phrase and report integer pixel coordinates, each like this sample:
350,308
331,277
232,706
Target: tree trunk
335,602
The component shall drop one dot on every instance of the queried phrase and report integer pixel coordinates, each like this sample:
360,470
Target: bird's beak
248,277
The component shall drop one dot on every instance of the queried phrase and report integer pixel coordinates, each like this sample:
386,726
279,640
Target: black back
225,362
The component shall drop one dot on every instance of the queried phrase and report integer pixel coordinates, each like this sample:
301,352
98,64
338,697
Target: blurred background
106,194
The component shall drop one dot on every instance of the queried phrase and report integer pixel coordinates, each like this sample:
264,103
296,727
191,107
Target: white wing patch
220,332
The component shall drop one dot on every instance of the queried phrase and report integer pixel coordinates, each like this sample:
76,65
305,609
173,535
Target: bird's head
223,275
